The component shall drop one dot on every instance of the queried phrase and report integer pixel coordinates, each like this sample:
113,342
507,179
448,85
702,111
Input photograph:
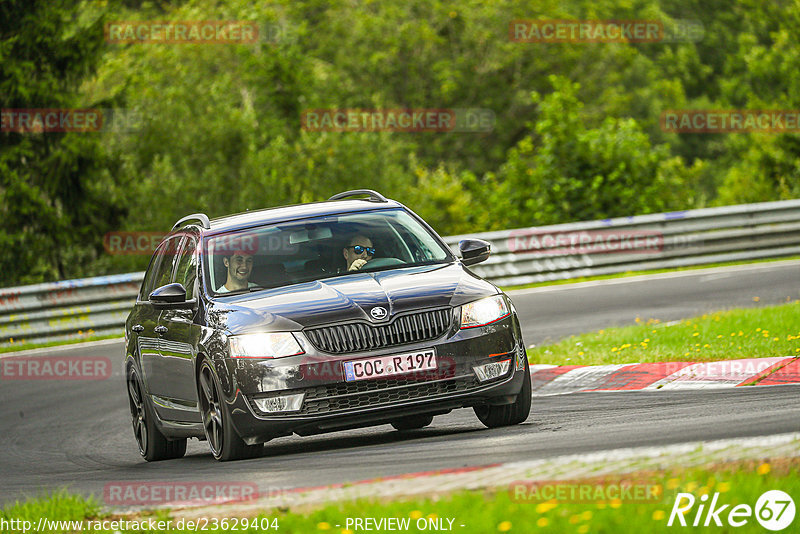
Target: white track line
58,348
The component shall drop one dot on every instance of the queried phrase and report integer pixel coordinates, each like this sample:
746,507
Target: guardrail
644,242
70,309
98,306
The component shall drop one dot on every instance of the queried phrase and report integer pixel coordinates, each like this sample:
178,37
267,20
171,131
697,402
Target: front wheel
153,445
509,414
224,442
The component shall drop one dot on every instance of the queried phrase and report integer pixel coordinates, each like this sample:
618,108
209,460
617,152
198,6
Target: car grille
355,337
351,396
344,397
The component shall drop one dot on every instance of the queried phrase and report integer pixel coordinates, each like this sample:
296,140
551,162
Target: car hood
349,297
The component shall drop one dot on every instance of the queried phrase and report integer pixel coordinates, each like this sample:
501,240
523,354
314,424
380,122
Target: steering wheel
383,262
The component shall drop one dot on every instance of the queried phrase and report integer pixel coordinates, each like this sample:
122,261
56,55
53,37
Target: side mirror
474,250
171,296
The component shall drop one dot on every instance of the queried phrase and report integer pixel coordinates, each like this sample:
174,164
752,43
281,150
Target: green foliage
220,127
767,170
441,196
567,171
55,200
59,505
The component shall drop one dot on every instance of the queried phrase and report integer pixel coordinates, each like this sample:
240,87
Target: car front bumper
330,403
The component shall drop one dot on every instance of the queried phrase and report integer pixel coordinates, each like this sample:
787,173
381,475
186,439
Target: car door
144,317
175,383
159,274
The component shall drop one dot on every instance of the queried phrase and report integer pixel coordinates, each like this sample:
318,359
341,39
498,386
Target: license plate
395,364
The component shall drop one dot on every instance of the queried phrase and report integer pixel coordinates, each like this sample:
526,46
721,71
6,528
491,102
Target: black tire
223,440
412,422
153,445
509,414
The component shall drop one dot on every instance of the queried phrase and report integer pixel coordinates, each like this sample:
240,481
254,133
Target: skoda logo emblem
378,312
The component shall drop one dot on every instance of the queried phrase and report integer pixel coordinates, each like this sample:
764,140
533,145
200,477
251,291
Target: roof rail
374,196
202,217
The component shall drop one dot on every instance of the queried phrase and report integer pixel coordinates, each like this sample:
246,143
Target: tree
56,195
565,171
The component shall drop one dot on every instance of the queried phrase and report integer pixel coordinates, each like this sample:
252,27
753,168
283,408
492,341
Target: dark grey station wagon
315,318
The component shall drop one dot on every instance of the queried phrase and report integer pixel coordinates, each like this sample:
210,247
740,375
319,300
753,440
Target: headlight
272,345
484,311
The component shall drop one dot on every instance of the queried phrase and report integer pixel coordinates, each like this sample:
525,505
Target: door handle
161,329
137,328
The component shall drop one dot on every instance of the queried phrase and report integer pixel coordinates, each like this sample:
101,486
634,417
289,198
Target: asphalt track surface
77,434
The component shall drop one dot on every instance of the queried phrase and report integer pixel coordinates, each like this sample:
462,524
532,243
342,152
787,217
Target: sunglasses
358,249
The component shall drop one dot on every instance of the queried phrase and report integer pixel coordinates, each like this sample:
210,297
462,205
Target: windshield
312,249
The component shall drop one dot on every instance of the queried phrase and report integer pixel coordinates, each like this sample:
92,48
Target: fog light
284,403
492,370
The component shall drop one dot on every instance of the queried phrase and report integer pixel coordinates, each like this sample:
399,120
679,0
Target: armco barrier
76,308
695,237
68,309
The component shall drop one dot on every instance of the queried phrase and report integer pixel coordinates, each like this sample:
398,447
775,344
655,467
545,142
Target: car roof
248,219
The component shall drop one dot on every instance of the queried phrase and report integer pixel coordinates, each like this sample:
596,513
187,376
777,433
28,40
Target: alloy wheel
138,413
211,410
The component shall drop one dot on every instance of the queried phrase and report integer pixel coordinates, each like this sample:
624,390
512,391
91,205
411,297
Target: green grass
499,510
27,346
741,333
639,273
57,505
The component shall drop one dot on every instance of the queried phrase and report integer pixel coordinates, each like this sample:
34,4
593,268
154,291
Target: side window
150,275
186,272
161,267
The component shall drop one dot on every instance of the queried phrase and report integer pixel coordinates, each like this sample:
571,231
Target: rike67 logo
774,510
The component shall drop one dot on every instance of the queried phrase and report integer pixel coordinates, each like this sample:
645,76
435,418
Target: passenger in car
238,265
358,252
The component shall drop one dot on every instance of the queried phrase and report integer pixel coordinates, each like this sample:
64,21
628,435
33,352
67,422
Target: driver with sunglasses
358,252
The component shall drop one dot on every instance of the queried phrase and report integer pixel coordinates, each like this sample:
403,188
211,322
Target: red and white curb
557,380
502,476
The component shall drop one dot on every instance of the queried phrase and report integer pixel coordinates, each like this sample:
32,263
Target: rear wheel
412,422
153,445
224,442
509,414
